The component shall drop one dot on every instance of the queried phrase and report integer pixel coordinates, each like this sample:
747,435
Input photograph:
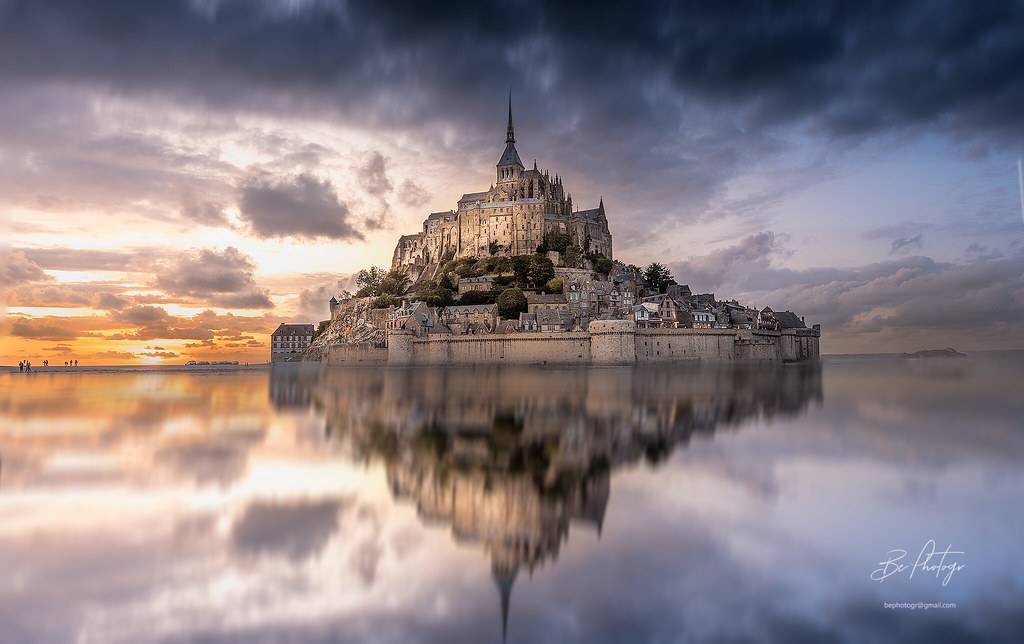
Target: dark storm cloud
850,67
682,96
221,278
303,206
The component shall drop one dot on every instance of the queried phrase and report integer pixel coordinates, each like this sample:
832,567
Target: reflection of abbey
511,460
510,218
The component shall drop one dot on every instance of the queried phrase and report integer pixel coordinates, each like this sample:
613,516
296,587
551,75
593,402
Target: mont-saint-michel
518,274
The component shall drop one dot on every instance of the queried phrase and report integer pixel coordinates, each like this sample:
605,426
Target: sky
178,178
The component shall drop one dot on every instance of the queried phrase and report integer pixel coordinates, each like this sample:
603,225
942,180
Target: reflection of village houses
510,459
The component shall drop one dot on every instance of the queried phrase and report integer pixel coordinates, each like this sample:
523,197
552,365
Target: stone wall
518,348
672,345
609,342
355,354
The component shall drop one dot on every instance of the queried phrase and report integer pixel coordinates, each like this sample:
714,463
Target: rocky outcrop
353,323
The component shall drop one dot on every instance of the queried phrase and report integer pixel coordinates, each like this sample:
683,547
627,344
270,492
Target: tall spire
510,135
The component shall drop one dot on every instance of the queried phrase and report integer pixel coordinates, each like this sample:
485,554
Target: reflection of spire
504,577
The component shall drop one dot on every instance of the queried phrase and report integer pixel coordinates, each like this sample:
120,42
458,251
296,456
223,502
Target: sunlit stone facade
510,218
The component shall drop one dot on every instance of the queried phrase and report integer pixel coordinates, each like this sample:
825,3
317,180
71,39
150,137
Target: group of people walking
25,365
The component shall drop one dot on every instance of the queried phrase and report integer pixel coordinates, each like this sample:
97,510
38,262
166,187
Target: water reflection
509,458
696,503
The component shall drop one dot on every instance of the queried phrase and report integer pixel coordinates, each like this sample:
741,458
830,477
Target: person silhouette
76,363
21,366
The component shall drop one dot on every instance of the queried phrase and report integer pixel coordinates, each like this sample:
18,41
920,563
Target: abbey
511,218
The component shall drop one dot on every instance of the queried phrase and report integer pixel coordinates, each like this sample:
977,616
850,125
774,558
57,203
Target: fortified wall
608,342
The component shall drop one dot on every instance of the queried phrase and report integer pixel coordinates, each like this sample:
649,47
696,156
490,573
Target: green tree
521,269
658,276
395,282
368,280
511,303
476,297
555,285
557,241
541,271
602,264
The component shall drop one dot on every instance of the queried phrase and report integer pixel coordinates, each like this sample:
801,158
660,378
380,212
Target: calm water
685,504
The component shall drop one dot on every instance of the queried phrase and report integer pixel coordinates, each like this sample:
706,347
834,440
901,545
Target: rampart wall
608,342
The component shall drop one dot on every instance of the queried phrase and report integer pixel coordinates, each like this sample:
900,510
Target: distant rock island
948,352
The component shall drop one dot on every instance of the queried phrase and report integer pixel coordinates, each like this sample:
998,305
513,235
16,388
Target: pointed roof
510,133
510,156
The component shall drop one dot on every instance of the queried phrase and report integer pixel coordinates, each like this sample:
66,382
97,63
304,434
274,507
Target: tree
602,264
541,271
555,285
368,280
658,277
436,292
557,241
511,303
476,297
395,282
572,258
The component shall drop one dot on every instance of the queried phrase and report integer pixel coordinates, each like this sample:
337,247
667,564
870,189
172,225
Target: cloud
48,328
220,278
75,259
752,254
118,355
207,212
313,302
159,354
19,269
60,348
904,245
412,194
373,174
301,206
296,530
896,305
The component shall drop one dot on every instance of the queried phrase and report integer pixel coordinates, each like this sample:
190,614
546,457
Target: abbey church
511,218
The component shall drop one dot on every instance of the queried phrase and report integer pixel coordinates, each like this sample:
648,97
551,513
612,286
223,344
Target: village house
703,319
545,301
480,284
766,320
647,315
470,318
789,320
290,341
416,317
546,321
